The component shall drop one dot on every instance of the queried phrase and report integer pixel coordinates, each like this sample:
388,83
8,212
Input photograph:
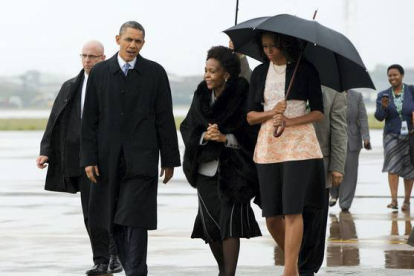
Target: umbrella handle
279,130
277,133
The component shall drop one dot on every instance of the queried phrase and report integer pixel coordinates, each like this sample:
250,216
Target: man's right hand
336,178
41,161
92,172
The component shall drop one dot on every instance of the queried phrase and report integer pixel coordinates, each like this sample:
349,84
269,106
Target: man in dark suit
358,136
332,137
127,123
60,147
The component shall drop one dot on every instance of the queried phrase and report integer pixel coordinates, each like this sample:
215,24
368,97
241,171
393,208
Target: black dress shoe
114,265
98,269
332,203
307,274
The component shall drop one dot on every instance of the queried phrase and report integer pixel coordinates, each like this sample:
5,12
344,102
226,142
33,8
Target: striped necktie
125,68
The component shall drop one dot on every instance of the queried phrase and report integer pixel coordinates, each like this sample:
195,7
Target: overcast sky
48,35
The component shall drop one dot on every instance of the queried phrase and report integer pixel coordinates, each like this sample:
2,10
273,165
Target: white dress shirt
85,81
122,62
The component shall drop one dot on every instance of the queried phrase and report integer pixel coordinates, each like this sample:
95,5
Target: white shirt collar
122,62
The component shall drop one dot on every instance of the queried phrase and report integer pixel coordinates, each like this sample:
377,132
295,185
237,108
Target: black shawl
237,175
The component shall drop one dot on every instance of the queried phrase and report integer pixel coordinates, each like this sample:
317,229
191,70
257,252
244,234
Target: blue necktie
125,68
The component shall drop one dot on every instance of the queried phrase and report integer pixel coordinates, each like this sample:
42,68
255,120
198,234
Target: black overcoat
238,182
53,141
129,115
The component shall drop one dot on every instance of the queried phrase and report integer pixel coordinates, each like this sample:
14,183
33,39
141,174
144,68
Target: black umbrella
339,65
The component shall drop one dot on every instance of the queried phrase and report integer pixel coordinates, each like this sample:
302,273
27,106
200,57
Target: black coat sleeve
253,89
58,105
191,133
90,120
314,88
165,124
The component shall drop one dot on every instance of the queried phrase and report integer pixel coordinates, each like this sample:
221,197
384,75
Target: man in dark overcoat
60,148
127,123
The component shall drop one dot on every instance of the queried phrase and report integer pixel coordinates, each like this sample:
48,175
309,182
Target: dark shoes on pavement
307,274
114,266
98,269
332,201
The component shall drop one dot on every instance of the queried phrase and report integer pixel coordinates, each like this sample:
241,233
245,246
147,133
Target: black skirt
217,221
286,187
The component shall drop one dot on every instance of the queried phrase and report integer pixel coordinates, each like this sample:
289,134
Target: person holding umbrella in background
332,137
284,192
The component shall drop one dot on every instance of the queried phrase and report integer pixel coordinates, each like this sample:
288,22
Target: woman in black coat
218,158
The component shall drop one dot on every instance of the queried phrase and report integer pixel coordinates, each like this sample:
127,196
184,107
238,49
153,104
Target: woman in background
396,106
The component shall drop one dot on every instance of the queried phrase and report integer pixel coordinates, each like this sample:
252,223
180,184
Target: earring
225,80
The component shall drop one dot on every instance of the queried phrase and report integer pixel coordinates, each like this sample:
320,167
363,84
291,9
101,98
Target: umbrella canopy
339,65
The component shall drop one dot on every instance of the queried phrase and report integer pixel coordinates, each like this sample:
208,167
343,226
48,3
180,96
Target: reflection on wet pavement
342,230
42,233
346,249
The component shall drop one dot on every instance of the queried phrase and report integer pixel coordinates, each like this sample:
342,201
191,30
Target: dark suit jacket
331,131
390,114
357,119
53,141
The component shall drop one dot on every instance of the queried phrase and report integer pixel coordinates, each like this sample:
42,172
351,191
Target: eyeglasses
83,56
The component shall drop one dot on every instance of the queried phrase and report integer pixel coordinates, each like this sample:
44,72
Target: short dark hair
131,24
396,66
290,46
227,58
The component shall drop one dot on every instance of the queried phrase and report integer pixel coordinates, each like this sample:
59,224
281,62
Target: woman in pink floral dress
290,167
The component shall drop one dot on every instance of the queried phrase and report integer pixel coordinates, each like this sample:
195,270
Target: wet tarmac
42,233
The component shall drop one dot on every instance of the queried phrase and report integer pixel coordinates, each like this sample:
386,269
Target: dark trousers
132,244
314,235
411,238
102,243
